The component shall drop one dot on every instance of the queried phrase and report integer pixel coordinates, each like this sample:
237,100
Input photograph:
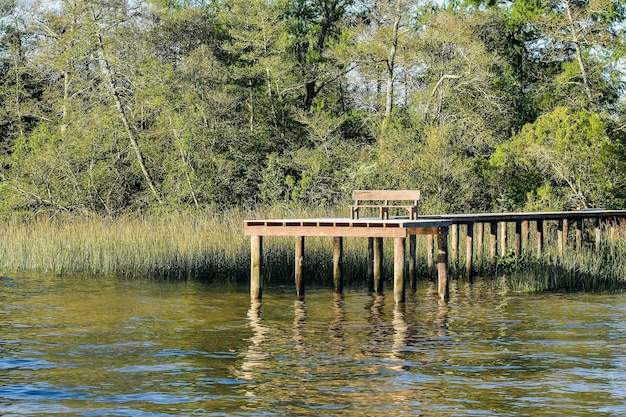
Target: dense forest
120,106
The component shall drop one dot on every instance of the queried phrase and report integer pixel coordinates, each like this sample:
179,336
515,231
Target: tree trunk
112,88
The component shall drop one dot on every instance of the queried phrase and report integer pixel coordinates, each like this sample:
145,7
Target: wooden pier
444,227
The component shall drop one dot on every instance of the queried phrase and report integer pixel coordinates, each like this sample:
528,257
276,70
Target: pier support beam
378,265
559,237
517,244
430,249
598,233
256,260
493,242
503,233
413,261
370,264
398,269
480,241
579,234
539,238
338,263
454,244
299,273
469,252
442,263
525,232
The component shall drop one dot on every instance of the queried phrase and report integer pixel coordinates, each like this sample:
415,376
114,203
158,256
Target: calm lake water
105,347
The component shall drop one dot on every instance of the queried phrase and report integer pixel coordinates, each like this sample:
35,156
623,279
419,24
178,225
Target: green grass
212,247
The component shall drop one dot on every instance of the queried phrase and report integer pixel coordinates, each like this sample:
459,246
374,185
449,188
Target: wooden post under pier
525,234
539,238
469,251
493,242
413,261
442,263
579,234
598,233
338,263
454,243
559,237
378,265
503,233
480,241
430,248
398,269
256,260
370,264
517,244
299,272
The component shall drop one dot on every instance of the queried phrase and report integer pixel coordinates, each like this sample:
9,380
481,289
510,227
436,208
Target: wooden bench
383,200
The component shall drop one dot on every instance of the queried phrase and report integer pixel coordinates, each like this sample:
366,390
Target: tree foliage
115,106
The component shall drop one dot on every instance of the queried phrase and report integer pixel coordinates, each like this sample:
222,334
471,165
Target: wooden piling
480,236
370,264
559,237
469,252
579,235
493,239
503,233
539,238
398,269
299,261
413,261
430,249
338,263
454,243
442,263
525,234
378,265
598,233
256,260
517,244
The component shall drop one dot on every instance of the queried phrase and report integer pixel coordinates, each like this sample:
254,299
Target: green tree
576,43
568,161
462,81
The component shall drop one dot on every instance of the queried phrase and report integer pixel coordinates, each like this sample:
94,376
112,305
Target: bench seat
383,200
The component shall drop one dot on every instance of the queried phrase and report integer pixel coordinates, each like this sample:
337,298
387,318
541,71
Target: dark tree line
115,106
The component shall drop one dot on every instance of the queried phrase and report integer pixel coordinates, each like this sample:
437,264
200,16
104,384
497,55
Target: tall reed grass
175,246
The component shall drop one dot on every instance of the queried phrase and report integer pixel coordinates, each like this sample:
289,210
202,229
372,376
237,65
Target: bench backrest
388,195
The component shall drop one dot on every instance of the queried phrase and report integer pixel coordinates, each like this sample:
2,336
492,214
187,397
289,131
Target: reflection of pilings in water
299,320
254,356
336,327
378,333
397,362
400,331
442,318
